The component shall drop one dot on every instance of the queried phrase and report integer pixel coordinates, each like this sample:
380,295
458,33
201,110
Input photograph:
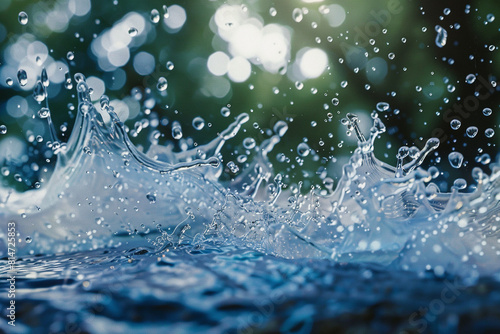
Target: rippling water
123,238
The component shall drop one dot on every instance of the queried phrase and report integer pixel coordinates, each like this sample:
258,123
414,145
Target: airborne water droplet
22,77
280,128
225,111
273,11
165,11
382,106
470,79
162,84
68,84
471,131
9,81
303,149
39,92
489,132
233,167
3,129
297,15
441,37
487,111
198,123
22,18
70,55
155,16
455,159
170,65
455,124
248,143
28,239
176,130
44,78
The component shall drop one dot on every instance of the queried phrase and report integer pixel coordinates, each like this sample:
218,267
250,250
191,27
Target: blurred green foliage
417,62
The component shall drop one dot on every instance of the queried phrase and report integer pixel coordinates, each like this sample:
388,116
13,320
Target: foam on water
105,192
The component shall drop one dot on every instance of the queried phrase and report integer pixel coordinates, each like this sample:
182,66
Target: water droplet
170,65
44,112
155,16
460,183
455,159
9,81
273,11
79,78
490,17
487,111
165,12
28,239
297,15
39,92
162,84
344,84
68,84
280,128
132,32
248,143
70,55
470,79
233,167
335,101
176,130
3,129
455,124
44,78
391,56
433,172
484,159
489,132
23,18
225,111
441,37
198,123
383,106
299,85
22,77
471,131
303,149
151,198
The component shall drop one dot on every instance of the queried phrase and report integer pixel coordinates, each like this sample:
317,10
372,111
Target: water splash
105,192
